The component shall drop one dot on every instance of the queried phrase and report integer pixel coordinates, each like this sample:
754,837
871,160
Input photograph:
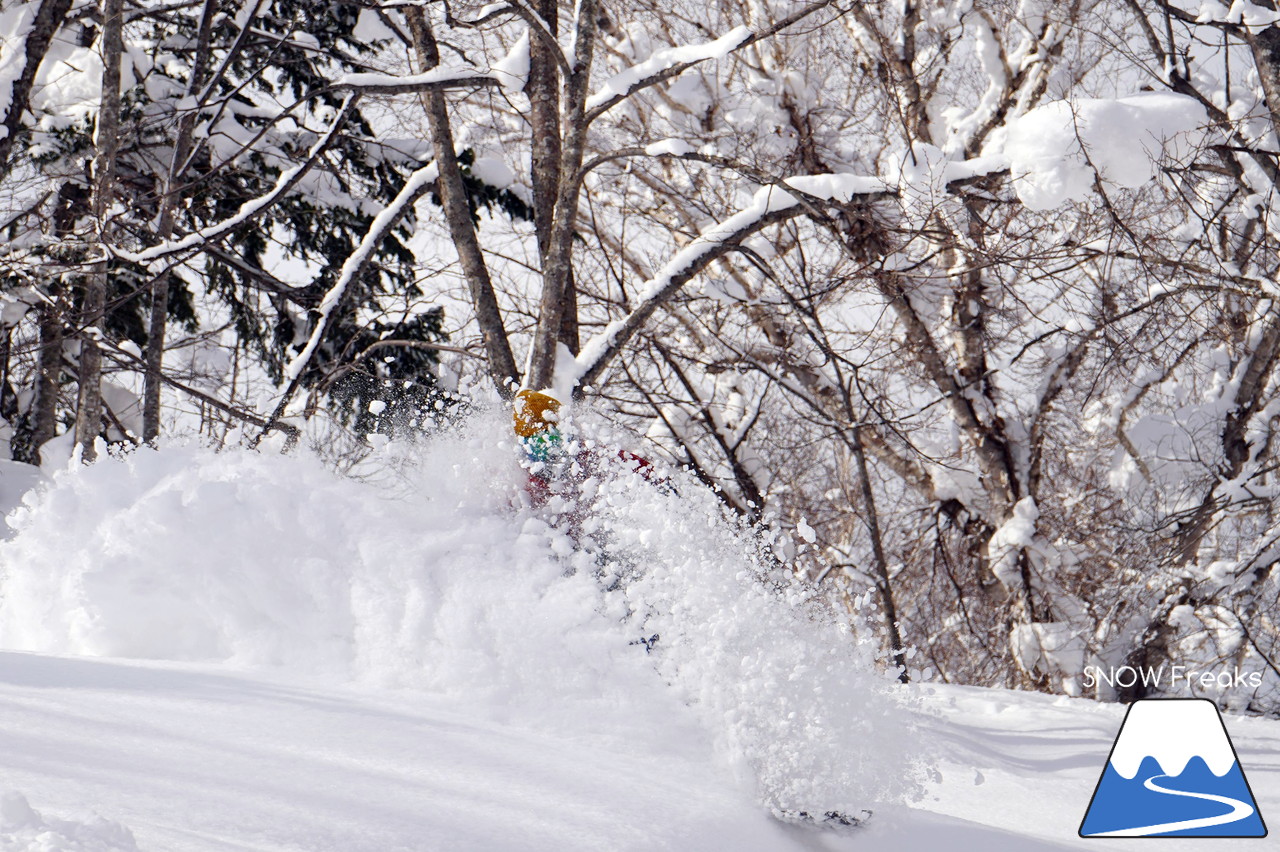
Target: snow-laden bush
440,578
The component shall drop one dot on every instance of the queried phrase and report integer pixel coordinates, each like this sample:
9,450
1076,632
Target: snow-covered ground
242,651
195,757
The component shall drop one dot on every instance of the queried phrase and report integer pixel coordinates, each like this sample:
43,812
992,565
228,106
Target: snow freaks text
1171,677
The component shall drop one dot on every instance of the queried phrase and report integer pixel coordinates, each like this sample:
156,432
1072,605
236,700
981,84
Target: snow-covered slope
193,758
203,758
675,633
243,651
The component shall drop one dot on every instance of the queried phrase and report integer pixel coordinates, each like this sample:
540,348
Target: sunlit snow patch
1174,773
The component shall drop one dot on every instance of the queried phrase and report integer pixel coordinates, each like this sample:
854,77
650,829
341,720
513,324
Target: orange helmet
534,413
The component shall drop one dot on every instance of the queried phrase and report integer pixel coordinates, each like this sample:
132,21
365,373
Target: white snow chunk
493,172
1053,648
1172,732
70,89
305,39
1013,535
15,25
512,71
806,532
1240,12
377,406
370,28
1054,149
834,187
15,305
672,147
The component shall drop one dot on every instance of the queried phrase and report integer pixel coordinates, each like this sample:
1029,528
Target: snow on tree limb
949,175
484,16
287,180
512,71
623,83
17,24
436,78
509,72
771,204
26,40
418,183
671,62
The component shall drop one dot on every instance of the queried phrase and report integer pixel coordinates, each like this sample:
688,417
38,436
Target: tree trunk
48,19
896,649
457,212
107,138
569,319
1265,46
544,125
557,264
159,310
543,90
8,397
41,421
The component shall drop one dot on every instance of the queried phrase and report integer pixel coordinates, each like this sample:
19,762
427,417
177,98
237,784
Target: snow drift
676,631
23,829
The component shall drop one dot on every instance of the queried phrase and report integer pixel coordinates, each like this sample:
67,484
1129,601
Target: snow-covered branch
419,182
26,37
671,62
462,76
771,205
284,184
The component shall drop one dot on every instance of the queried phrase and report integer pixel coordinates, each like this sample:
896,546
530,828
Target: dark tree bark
47,21
883,580
107,140
41,421
557,263
457,211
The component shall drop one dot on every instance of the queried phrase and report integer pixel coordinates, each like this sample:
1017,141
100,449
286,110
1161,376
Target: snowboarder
536,418
537,428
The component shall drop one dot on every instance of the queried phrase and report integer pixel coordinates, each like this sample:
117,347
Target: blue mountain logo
1173,773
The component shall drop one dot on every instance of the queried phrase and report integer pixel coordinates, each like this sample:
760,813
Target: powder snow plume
438,579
